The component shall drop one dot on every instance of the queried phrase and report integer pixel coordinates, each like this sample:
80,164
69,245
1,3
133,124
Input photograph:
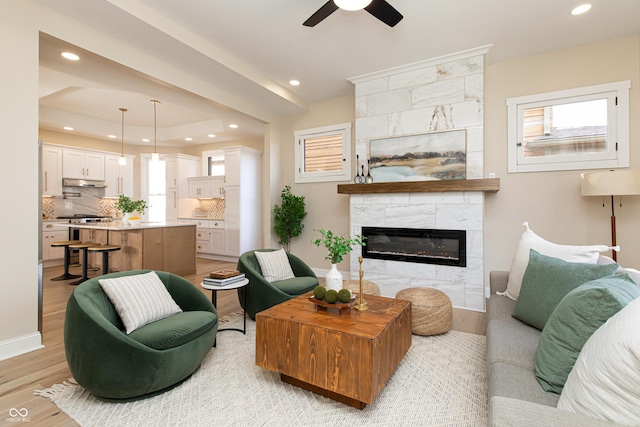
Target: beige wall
19,176
551,201
325,207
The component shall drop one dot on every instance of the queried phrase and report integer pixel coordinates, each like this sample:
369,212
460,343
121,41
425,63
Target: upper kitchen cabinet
208,187
179,167
118,178
81,164
51,170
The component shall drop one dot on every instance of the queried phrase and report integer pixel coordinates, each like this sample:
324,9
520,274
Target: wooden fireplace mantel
489,185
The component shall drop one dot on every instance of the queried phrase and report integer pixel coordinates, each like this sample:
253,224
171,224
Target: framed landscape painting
428,156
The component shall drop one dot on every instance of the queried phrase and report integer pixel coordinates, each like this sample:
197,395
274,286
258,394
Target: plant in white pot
338,246
127,206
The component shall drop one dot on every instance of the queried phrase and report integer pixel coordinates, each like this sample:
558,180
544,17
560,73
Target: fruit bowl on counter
135,220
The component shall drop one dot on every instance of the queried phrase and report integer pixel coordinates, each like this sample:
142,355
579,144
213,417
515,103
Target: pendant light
123,160
155,157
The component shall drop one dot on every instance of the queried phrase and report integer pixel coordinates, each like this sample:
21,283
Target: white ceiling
252,49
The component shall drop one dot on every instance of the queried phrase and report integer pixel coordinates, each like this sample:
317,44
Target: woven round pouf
368,287
431,310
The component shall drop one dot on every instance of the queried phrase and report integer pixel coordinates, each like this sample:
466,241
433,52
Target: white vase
125,217
333,278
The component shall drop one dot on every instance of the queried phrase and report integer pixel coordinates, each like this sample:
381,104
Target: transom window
323,154
584,128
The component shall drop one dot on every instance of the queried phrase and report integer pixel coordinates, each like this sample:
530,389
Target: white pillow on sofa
605,380
275,265
530,240
139,299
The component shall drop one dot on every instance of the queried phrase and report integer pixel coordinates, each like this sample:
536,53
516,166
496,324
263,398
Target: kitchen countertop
201,218
119,226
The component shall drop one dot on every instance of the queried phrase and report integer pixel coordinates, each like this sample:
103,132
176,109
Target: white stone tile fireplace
440,94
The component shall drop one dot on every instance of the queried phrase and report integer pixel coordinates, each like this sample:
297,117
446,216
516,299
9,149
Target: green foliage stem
126,205
337,245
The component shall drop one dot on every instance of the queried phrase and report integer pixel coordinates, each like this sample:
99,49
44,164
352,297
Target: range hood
68,182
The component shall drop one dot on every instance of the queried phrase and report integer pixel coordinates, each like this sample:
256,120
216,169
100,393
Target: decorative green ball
331,296
319,292
344,295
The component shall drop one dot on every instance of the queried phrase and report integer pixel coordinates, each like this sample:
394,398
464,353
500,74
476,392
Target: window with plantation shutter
579,128
323,154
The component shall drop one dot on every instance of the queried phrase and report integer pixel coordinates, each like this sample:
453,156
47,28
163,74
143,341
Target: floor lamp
611,183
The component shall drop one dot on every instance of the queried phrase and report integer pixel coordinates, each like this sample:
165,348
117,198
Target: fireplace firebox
443,247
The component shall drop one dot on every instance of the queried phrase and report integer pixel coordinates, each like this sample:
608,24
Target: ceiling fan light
352,4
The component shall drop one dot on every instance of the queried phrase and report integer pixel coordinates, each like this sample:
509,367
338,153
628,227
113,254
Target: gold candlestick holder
362,303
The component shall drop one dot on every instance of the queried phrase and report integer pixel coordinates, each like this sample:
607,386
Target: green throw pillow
547,280
575,319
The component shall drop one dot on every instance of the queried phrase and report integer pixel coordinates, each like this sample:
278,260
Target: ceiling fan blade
384,12
326,10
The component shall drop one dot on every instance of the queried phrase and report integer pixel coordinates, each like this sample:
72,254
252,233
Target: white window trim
618,128
302,177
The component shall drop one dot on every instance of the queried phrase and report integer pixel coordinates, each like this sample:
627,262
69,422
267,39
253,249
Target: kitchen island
164,246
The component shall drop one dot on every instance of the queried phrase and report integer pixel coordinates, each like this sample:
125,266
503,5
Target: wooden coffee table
348,357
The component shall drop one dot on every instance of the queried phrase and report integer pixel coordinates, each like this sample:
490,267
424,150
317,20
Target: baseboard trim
21,345
217,257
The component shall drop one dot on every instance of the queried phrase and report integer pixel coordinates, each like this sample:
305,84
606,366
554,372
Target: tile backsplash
210,208
87,202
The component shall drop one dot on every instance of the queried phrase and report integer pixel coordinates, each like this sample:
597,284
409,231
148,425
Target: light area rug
442,381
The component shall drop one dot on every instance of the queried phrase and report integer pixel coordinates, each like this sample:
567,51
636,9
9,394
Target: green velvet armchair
114,366
262,294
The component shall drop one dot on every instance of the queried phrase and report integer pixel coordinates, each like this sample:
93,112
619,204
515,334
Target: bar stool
83,248
104,249
67,257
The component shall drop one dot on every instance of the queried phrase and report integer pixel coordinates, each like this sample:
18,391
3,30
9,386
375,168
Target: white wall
19,176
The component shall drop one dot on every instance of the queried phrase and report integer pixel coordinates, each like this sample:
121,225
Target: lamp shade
352,4
611,183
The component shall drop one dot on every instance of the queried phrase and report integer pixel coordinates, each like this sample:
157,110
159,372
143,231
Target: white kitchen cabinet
208,187
51,233
118,178
179,167
82,164
217,240
210,236
51,170
242,204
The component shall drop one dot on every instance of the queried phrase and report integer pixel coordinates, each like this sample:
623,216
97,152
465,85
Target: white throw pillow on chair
274,265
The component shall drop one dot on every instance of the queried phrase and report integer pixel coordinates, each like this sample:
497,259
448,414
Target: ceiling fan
378,8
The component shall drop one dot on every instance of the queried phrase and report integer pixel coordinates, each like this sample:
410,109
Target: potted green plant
337,246
128,206
287,217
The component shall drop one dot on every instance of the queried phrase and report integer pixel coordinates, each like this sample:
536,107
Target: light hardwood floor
20,376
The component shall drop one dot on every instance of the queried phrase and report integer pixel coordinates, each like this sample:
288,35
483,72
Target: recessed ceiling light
145,139
233,126
581,9
70,56
211,135
294,82
68,128
188,139
111,136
